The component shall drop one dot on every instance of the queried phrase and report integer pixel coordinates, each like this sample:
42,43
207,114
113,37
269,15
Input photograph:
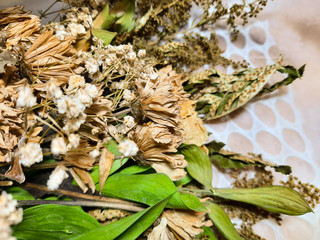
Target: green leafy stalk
278,199
221,220
227,159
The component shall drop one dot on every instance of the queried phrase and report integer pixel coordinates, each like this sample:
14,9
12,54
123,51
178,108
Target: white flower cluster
76,24
78,96
56,177
26,97
128,148
30,154
9,215
59,146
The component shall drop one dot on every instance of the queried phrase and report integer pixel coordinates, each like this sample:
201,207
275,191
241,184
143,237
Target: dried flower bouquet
104,109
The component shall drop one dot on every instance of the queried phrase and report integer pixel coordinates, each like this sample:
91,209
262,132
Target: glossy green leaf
19,193
51,222
222,222
104,35
127,228
135,169
183,181
207,234
199,164
278,199
149,189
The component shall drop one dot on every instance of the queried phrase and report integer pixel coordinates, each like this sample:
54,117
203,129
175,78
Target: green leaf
19,193
126,22
293,74
225,162
135,169
222,222
149,189
278,199
199,164
104,35
51,222
228,159
183,181
207,234
127,228
214,146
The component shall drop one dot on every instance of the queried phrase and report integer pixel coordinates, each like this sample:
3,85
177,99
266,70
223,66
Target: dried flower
30,154
128,95
58,146
70,105
9,215
76,81
158,147
73,124
56,177
74,140
53,89
128,121
128,148
92,90
187,224
76,29
92,65
26,98
94,153
142,53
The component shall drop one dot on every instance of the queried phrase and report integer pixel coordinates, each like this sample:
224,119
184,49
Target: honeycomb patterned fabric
282,126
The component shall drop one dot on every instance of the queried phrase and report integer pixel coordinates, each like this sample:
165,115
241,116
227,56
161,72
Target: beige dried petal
161,232
86,178
186,224
193,131
105,164
78,180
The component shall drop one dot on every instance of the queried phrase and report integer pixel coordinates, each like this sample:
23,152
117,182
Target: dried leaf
15,172
105,164
193,130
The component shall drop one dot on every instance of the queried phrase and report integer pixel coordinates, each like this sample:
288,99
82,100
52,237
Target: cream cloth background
285,127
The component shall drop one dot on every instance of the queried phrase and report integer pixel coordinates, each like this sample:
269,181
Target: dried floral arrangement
104,109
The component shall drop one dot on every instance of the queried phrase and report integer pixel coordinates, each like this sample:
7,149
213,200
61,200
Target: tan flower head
158,99
18,24
50,57
157,147
187,224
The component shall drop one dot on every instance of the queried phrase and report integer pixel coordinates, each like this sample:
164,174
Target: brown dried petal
15,172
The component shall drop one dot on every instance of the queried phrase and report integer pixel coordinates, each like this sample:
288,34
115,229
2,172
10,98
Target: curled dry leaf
105,164
78,180
187,224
